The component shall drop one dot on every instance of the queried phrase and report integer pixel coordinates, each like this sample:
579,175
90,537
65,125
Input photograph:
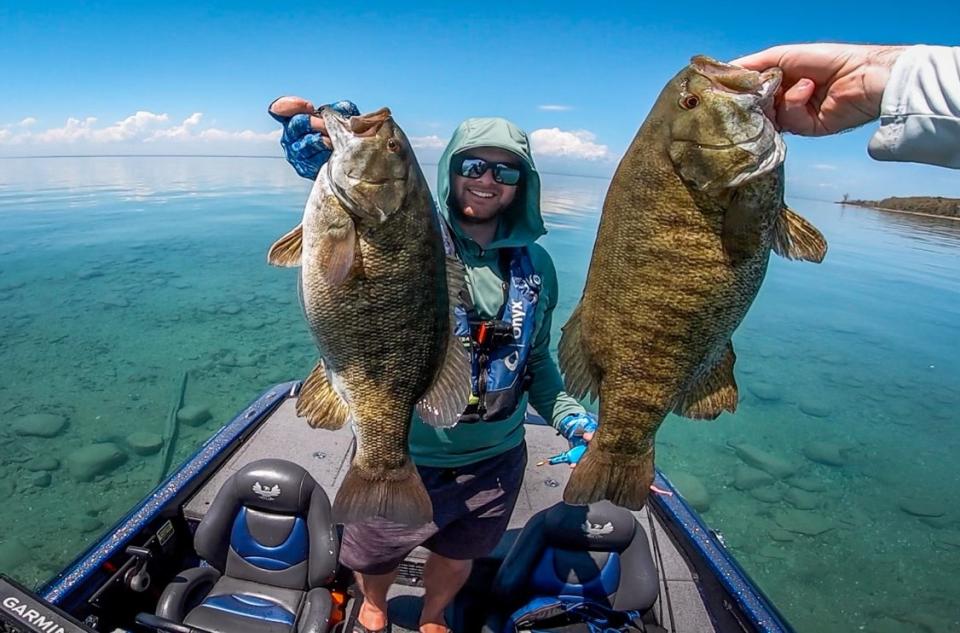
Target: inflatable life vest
500,347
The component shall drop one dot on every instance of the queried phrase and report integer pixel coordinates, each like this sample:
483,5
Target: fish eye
689,102
393,145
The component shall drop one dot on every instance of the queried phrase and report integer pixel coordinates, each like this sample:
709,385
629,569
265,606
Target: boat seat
270,546
595,556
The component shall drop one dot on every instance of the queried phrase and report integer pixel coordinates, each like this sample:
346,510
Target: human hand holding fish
579,430
827,88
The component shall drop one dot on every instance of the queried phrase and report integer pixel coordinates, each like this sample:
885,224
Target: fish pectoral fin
337,251
447,397
715,393
287,250
580,375
320,404
796,238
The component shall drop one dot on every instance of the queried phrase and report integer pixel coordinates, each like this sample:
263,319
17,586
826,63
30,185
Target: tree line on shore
930,205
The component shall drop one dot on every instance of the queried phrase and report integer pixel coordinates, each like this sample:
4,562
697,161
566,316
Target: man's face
482,199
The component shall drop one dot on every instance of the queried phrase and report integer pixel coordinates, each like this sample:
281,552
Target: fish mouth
739,80
742,83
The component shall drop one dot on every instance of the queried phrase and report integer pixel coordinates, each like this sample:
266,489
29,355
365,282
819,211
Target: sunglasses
473,167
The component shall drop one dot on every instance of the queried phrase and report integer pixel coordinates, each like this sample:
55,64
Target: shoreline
920,213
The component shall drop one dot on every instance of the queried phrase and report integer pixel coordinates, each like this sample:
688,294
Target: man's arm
914,91
920,111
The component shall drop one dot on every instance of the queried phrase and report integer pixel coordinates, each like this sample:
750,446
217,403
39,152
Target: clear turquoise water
117,275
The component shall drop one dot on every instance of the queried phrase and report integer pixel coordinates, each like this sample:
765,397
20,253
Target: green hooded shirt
520,225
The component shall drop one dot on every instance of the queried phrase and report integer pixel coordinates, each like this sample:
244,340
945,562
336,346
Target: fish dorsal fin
447,397
287,250
319,403
715,393
795,238
338,248
580,375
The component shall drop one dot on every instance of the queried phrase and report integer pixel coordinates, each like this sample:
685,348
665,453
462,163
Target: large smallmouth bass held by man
692,213
376,288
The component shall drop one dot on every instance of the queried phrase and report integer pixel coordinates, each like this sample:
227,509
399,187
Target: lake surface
835,483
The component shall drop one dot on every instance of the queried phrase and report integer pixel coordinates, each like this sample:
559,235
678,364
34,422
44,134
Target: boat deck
326,455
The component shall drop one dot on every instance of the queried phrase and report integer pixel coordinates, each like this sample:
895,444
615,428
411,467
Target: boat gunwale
680,520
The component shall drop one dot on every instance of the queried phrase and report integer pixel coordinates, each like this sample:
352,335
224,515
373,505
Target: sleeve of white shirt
920,110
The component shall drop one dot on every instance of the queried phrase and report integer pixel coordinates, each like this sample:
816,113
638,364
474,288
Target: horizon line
36,156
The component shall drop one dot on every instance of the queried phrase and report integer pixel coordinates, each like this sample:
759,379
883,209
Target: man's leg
442,578
373,612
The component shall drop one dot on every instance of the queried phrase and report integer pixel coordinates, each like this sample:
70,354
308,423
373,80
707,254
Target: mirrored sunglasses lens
472,167
507,175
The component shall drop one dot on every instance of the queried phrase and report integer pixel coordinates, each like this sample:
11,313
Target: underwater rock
948,539
193,414
826,453
144,443
87,523
919,507
97,506
40,425
801,499
7,489
747,478
13,554
939,522
41,480
764,391
247,360
115,301
807,483
766,494
759,458
231,310
95,459
691,489
771,550
815,408
803,522
89,273
885,624
42,463
779,534
250,373
182,285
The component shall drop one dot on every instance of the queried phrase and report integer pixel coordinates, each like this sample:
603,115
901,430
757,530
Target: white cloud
141,127
427,142
178,131
824,167
76,130
573,144
553,107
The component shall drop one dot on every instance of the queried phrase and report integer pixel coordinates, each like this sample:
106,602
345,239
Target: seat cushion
243,606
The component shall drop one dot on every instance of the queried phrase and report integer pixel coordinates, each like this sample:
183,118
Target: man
488,192
913,90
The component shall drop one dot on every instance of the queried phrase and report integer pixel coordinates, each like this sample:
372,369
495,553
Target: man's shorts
472,505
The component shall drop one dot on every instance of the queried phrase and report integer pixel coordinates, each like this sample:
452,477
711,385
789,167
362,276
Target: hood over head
521,224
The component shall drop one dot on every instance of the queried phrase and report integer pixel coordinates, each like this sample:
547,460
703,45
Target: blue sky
201,75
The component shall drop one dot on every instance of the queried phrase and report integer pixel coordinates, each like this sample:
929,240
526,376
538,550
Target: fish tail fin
623,479
397,495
